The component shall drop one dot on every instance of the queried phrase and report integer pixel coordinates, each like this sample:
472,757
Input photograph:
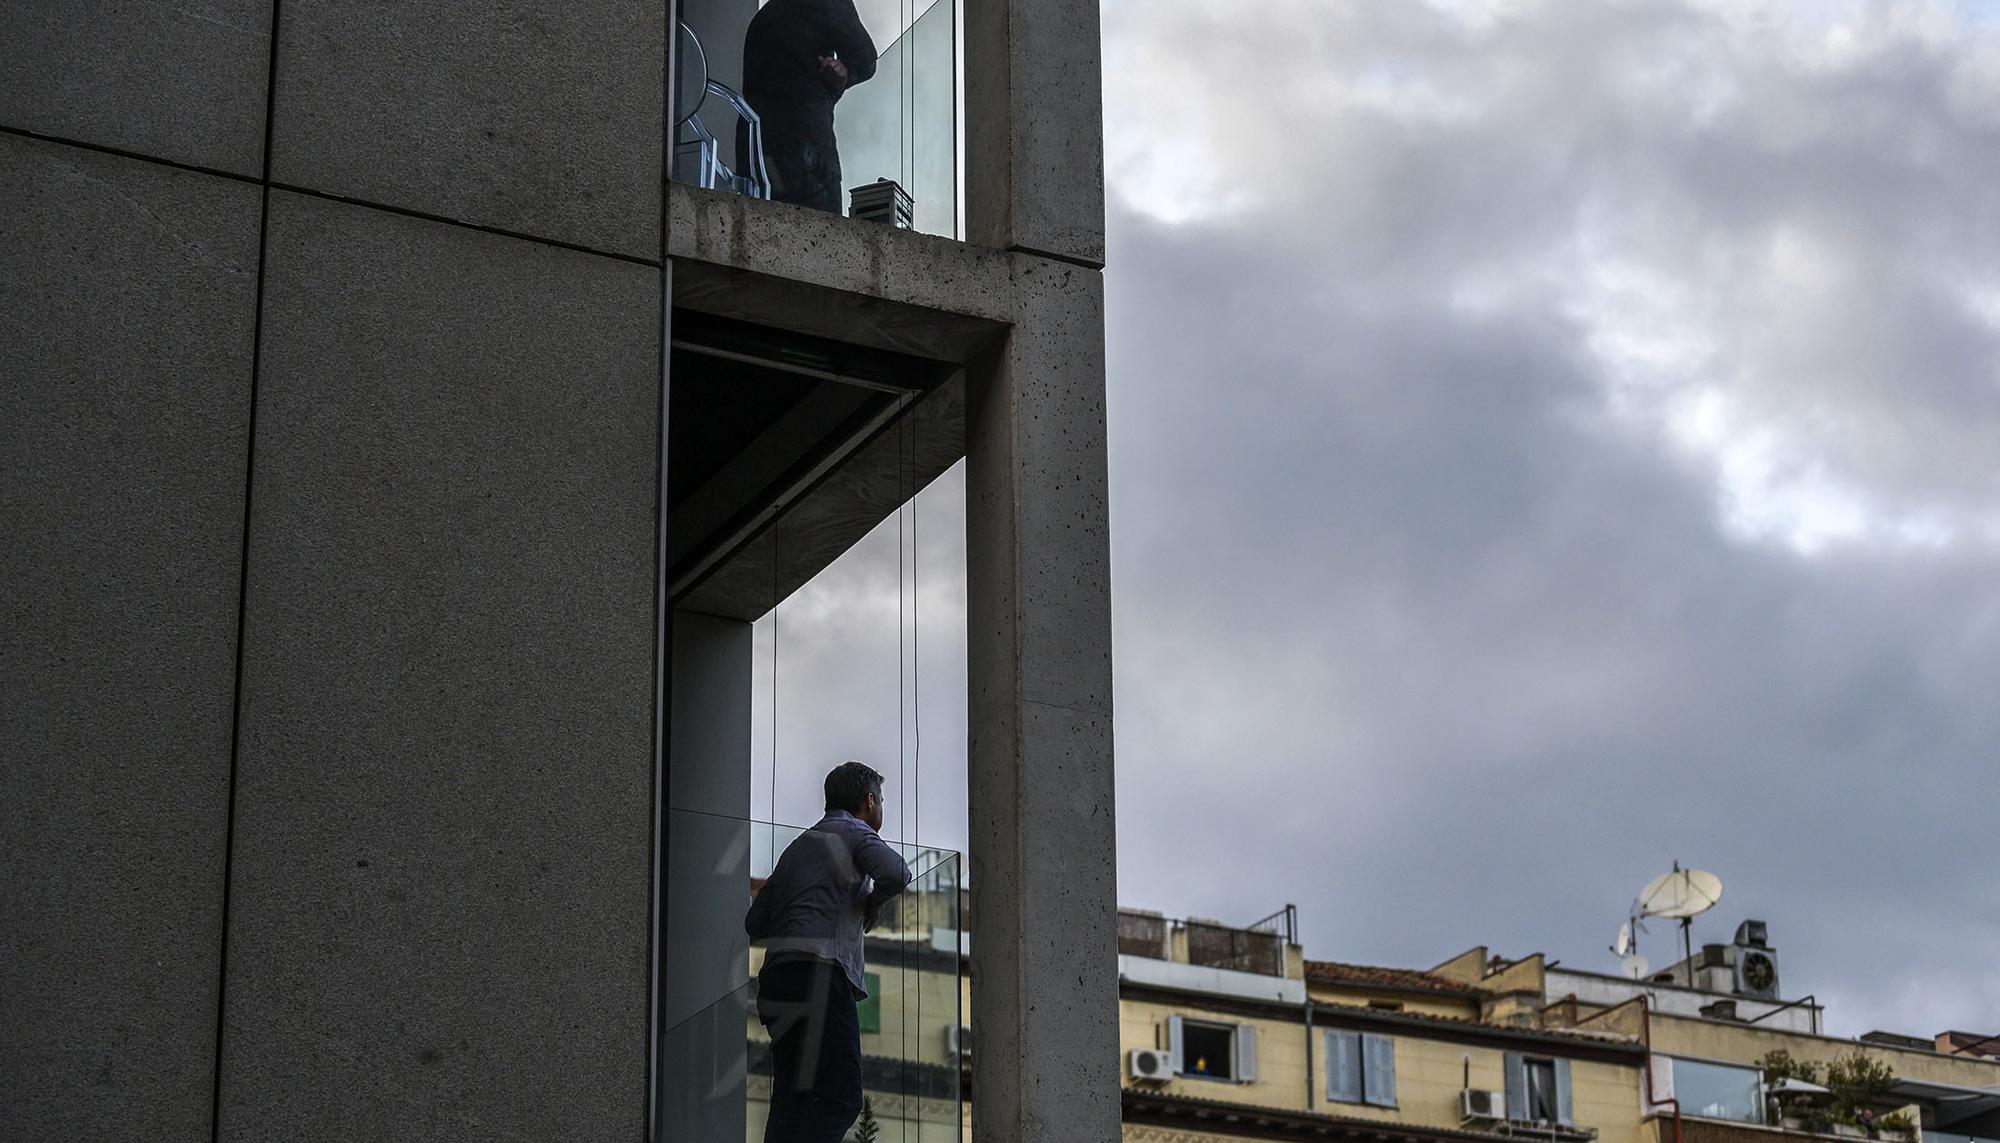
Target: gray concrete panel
822,274
1034,128
127,298
184,82
1040,778
441,881
532,117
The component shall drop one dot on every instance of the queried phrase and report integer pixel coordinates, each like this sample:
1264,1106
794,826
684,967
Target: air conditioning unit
1150,1065
958,1041
1475,1104
1757,973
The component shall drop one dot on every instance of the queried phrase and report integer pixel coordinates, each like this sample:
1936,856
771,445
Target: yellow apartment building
1230,1033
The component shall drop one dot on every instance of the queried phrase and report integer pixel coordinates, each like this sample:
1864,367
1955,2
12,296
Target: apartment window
1361,1068
1538,1090
1720,1091
1212,1049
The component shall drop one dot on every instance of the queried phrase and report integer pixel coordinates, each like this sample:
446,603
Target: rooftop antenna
1681,895
1626,946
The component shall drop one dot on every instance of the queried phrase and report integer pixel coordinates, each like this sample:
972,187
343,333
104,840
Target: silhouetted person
828,887
799,58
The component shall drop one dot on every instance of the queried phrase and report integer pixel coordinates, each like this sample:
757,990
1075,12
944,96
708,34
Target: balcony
785,102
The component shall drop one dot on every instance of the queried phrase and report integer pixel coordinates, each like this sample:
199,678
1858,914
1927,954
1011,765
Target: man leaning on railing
827,890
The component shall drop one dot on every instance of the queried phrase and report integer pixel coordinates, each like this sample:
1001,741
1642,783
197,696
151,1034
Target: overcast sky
1550,438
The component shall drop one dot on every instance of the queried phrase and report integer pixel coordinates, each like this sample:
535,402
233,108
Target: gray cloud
1548,440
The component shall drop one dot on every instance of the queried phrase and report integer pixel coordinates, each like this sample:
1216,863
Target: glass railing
849,107
715,1064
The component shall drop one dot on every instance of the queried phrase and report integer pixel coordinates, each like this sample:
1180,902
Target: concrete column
1045,988
1034,128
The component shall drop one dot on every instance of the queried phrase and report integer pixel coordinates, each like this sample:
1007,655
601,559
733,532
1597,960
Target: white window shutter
1378,1055
1343,1067
1565,1112
1517,1086
1246,1053
1174,1042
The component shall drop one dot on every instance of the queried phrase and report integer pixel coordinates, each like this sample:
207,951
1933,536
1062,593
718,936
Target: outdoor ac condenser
1150,1064
1476,1104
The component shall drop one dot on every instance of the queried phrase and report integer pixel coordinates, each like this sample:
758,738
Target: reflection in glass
1719,1091
716,1064
806,101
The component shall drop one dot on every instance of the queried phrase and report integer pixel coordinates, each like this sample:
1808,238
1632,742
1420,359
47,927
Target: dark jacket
814,906
787,38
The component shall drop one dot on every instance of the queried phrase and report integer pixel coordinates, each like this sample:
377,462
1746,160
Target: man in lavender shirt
827,890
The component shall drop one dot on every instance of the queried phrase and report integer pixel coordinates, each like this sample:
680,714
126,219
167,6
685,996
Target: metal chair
694,87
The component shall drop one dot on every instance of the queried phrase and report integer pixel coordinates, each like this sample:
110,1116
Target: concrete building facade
396,455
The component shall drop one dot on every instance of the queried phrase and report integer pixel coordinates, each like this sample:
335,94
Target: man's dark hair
849,784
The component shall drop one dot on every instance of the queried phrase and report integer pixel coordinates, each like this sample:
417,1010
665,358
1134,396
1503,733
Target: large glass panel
1719,1091
811,101
716,1063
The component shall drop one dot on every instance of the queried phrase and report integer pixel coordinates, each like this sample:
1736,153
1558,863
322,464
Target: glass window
1208,1050
869,1011
1719,1091
1543,1107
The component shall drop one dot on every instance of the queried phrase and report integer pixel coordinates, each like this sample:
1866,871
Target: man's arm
757,922
880,861
846,35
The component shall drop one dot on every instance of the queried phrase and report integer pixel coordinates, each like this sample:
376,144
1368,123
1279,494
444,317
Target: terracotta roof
1375,976
1580,1035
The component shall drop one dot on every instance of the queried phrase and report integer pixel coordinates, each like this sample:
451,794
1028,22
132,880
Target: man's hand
833,74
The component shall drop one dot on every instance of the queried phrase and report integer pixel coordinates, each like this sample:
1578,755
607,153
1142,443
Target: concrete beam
814,273
1043,847
1034,128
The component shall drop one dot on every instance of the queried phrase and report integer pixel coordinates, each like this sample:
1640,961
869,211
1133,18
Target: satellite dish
1623,946
1635,967
1681,894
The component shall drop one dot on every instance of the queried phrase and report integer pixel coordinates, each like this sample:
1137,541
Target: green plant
1859,1082
1780,1065
867,1129
1901,1122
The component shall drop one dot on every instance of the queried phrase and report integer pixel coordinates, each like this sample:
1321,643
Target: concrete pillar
1043,848
1034,128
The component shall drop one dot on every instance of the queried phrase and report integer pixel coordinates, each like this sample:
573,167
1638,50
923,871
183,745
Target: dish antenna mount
1681,895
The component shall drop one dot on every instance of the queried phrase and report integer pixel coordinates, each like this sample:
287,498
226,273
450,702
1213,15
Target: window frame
1366,1045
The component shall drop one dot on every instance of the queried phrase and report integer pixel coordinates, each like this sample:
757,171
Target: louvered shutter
1378,1058
1565,1113
1343,1067
1246,1053
1174,1042
1517,1087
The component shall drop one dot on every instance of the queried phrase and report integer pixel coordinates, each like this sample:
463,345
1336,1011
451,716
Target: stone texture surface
531,117
829,276
1034,128
127,298
184,81
441,894
1040,777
